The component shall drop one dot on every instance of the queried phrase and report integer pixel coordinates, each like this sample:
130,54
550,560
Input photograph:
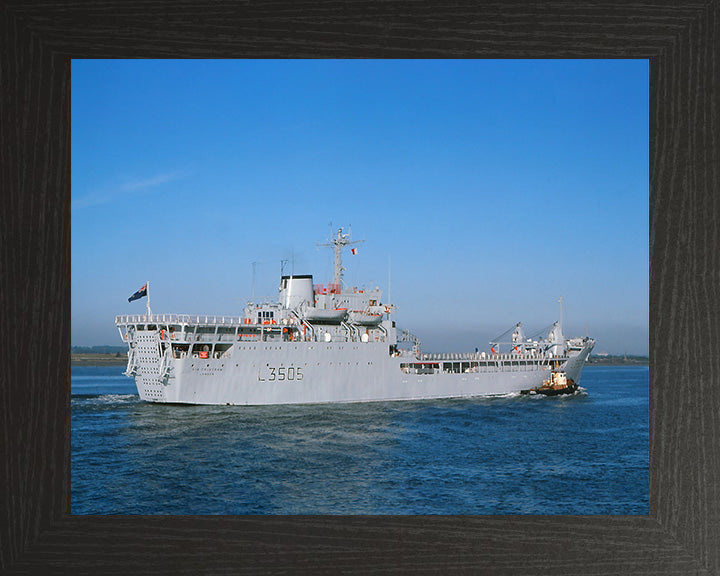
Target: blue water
580,454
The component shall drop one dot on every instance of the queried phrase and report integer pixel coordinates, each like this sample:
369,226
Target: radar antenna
338,243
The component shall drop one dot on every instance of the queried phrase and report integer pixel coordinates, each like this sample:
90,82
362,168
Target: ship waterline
294,352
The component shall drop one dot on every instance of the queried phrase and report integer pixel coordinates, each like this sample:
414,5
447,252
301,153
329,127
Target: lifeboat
365,318
557,384
330,315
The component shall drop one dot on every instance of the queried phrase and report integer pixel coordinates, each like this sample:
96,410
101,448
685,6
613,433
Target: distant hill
98,349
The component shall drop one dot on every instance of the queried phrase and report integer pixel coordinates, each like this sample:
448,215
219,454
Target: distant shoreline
120,359
117,359
618,361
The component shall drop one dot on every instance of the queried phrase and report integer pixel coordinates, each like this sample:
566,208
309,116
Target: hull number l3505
280,373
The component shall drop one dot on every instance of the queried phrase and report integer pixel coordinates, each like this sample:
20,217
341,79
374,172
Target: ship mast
338,243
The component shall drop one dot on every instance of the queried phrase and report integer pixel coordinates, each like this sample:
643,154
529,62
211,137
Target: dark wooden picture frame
680,535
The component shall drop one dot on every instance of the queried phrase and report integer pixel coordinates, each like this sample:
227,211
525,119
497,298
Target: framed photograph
500,189
42,532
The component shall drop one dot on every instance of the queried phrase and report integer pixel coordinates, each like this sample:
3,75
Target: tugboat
557,384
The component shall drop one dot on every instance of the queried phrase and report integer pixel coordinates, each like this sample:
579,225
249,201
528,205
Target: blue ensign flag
139,294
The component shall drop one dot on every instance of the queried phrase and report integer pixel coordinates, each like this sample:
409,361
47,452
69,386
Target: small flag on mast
353,250
139,294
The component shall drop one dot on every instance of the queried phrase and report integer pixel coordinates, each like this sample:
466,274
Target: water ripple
582,454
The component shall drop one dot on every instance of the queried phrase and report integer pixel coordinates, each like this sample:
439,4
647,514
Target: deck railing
178,319
483,356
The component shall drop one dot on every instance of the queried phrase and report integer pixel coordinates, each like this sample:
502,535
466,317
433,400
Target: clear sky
484,190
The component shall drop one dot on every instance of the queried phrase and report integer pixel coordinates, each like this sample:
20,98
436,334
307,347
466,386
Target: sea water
581,454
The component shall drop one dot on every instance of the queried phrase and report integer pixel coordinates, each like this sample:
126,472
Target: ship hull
318,372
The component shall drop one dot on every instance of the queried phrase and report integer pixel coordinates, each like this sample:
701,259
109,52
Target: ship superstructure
325,343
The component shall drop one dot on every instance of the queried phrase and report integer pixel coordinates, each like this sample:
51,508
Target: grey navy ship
322,343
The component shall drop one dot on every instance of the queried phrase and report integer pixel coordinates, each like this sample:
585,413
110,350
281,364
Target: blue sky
484,190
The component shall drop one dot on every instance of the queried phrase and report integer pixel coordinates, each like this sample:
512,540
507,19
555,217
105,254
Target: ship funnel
294,290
